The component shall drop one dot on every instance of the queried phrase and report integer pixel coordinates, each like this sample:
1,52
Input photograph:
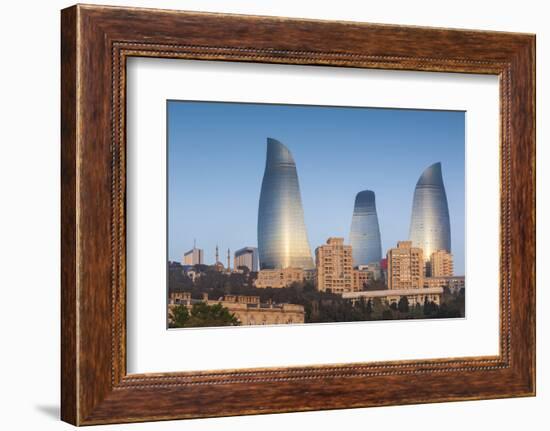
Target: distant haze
216,160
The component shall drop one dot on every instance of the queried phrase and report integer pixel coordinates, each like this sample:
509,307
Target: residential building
441,264
361,277
334,263
374,268
279,278
405,266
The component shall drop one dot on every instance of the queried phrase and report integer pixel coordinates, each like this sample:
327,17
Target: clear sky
216,160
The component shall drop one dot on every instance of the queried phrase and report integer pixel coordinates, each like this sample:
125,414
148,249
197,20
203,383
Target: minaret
228,260
217,254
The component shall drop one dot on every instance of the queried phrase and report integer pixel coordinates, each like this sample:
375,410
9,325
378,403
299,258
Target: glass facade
282,236
365,231
247,256
430,226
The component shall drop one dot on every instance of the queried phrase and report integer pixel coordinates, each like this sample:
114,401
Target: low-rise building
192,272
279,278
454,283
374,268
310,275
247,309
414,296
361,277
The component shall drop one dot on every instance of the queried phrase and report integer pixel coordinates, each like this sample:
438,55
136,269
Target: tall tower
282,236
217,254
365,231
430,227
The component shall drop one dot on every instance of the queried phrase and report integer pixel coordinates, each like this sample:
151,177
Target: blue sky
216,159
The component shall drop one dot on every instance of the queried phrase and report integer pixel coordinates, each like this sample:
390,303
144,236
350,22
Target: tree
244,269
179,316
431,309
203,314
387,315
370,307
403,305
426,306
201,267
375,285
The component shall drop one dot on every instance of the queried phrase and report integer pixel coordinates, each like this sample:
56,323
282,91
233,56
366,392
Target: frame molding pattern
96,41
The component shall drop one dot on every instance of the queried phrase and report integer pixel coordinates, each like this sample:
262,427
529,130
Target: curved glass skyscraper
430,226
365,231
282,237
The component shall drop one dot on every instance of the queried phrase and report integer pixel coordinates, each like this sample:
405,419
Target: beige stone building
279,278
414,296
441,264
334,264
361,277
374,268
405,267
454,283
247,309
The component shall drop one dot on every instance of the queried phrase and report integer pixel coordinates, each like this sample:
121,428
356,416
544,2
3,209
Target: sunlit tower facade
430,227
282,236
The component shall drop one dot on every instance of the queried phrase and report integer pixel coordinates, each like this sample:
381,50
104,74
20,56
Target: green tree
387,314
426,307
431,309
370,307
244,269
375,285
203,314
403,305
179,316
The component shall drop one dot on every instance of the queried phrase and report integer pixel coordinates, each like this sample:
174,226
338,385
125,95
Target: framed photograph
322,214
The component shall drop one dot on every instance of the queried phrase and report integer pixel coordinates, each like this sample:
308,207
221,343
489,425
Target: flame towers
282,236
365,231
430,227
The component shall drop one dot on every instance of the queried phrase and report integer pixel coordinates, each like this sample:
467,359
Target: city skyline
234,183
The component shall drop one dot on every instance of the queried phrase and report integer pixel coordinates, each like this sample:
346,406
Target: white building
195,256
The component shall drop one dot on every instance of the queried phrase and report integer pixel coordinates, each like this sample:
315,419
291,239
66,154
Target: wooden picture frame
95,43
